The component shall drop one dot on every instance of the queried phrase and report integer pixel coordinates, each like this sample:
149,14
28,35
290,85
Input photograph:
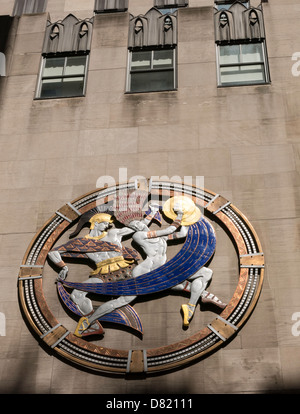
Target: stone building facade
223,105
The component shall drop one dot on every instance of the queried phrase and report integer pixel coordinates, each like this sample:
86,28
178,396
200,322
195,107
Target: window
63,77
242,64
170,3
168,11
5,27
2,64
220,5
29,6
108,6
151,70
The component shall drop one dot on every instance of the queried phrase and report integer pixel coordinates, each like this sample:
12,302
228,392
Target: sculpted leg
89,325
196,286
110,306
84,304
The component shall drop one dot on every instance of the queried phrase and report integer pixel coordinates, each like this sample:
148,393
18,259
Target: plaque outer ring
51,333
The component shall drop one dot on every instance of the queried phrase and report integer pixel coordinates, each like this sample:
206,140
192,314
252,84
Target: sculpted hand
63,273
154,208
178,209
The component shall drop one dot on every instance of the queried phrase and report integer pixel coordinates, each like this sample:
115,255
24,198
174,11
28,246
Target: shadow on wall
23,375
293,388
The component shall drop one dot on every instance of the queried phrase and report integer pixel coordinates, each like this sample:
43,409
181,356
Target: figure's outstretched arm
179,234
124,231
154,208
56,259
168,230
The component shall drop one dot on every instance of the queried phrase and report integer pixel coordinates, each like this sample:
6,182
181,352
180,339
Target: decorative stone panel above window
153,29
239,23
70,35
109,6
29,7
170,3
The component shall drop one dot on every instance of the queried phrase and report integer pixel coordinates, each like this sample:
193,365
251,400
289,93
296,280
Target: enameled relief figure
117,266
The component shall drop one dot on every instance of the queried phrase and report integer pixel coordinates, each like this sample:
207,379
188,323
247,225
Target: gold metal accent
224,329
68,212
27,272
216,204
53,336
80,326
136,362
100,218
252,260
111,265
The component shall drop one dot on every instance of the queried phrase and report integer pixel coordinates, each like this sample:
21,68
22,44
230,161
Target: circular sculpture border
213,336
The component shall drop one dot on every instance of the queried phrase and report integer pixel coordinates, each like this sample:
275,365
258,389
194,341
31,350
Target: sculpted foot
188,312
210,298
84,328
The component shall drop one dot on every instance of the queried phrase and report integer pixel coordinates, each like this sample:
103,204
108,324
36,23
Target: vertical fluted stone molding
239,23
153,29
70,35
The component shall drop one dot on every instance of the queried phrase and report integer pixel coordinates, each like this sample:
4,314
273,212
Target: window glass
252,52
75,65
242,74
51,88
229,54
253,73
242,64
72,86
2,64
54,67
152,81
169,10
227,6
141,60
151,70
163,59
63,77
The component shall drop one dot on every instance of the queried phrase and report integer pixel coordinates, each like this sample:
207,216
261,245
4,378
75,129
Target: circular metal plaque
214,335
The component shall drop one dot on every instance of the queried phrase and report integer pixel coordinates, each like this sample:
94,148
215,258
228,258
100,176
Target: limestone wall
243,140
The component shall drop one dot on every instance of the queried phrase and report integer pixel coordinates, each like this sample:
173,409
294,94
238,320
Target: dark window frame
43,77
110,6
131,72
263,62
29,7
161,4
225,5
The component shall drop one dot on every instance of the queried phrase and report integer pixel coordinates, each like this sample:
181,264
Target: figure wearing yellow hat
198,282
100,218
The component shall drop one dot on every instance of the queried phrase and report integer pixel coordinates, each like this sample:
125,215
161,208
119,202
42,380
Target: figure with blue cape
120,271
